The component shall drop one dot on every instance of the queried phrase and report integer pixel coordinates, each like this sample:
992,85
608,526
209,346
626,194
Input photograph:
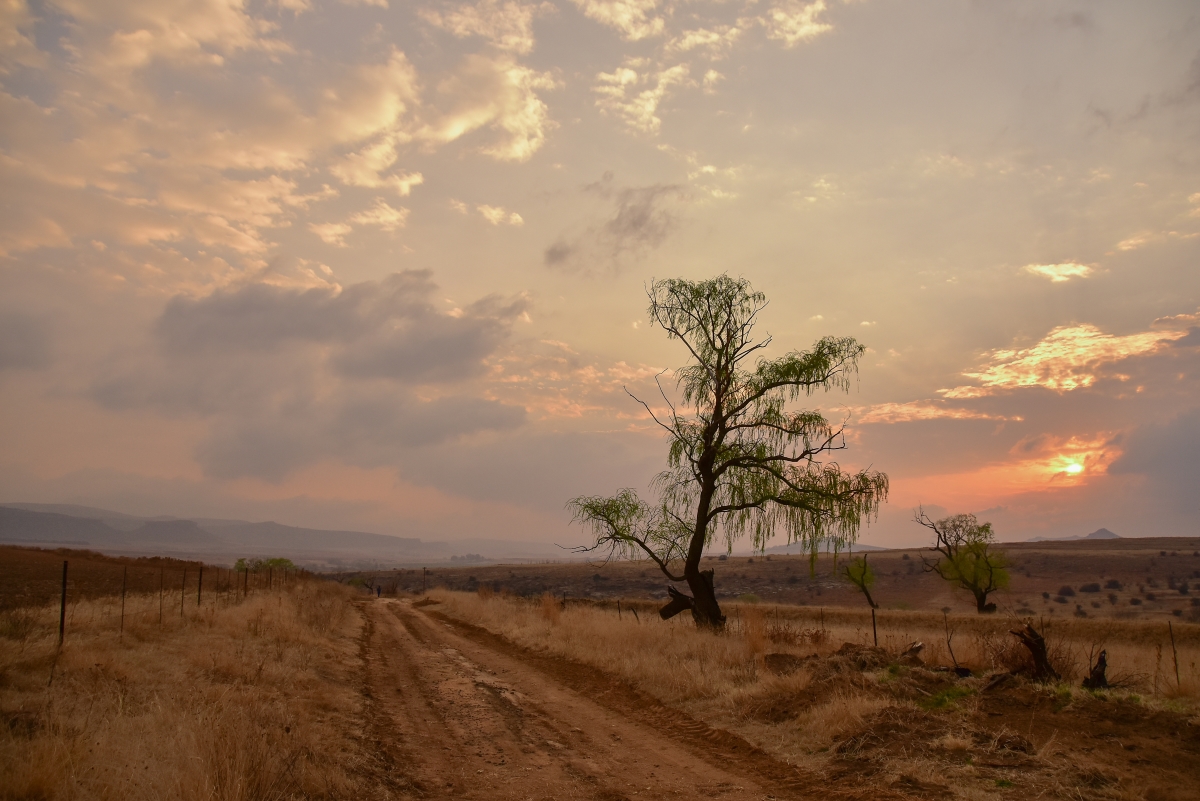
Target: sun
1074,468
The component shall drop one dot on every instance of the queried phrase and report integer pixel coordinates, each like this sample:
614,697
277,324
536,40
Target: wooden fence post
874,631
162,576
124,576
182,591
62,608
199,584
1174,653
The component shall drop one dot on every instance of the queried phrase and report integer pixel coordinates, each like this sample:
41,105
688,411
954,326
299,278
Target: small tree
740,461
862,576
966,556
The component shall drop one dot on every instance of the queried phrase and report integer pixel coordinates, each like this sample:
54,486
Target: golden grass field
245,699
901,723
291,693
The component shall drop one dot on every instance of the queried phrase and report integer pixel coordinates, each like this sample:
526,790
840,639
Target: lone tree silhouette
966,556
740,460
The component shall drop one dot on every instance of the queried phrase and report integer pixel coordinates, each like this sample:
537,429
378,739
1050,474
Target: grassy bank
233,699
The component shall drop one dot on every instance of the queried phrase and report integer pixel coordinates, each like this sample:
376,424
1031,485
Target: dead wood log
679,602
1036,643
1097,680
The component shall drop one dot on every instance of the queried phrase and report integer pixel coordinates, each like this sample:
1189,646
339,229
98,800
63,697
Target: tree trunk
705,609
1031,639
981,603
703,601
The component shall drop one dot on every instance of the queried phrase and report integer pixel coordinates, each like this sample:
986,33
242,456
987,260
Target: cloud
1058,273
793,22
1068,358
640,221
638,110
634,19
366,167
911,411
24,340
382,215
496,93
1165,455
364,430
497,215
1036,464
715,42
331,233
283,377
507,25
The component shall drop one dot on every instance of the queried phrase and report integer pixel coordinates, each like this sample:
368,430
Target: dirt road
456,712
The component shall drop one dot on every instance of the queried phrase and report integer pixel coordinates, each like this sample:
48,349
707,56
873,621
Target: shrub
1066,591
1093,587
1112,584
1151,596
1058,599
1135,601
1112,598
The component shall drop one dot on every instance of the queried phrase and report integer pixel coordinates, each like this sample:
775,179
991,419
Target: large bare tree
741,460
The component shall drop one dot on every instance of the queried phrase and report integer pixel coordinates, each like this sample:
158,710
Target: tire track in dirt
456,712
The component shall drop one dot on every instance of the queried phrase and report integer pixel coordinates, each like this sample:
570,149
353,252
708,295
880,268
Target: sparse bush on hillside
1066,591
1112,584
1093,587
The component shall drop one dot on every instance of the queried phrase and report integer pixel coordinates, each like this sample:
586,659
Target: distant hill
67,525
1098,534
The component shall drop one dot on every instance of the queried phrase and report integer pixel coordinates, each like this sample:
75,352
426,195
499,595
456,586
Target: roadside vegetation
806,685
235,698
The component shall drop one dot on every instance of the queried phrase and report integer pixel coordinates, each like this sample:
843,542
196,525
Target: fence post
62,608
162,576
199,584
1174,653
182,591
874,631
124,576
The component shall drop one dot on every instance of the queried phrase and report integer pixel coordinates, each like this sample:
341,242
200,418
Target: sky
382,265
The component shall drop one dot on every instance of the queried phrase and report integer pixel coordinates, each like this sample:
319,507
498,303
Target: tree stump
1097,680
1031,639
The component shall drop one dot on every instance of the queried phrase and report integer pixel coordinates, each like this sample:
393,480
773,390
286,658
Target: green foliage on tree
967,556
862,576
741,460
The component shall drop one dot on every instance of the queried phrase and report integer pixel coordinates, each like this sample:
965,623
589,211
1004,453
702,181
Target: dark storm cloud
24,340
1168,456
639,220
289,377
379,329
363,431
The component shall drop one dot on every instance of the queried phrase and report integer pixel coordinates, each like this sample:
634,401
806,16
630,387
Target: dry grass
231,700
699,664
919,730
